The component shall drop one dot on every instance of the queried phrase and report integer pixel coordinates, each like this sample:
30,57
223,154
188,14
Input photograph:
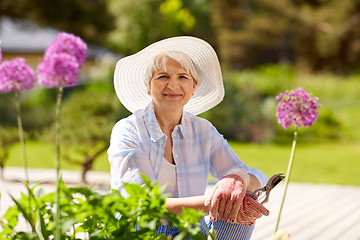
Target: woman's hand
250,210
226,198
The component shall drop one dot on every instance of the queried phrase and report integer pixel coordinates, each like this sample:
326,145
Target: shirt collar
182,124
151,123
153,126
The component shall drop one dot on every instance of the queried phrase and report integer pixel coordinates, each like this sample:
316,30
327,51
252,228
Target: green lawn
42,155
333,163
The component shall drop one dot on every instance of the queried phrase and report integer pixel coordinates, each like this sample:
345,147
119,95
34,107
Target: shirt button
176,155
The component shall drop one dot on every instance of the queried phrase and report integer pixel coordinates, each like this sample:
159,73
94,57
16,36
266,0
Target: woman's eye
162,76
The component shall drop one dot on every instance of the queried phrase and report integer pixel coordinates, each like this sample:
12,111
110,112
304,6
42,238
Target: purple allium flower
68,43
16,75
58,69
298,107
62,61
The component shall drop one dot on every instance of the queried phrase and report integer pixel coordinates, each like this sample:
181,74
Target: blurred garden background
265,47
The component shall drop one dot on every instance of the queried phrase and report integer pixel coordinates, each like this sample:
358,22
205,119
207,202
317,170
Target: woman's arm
176,205
254,183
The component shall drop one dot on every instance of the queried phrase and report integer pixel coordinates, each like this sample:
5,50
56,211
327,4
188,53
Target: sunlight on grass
42,155
332,163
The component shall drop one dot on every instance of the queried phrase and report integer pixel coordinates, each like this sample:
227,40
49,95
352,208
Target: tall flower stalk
299,108
21,135
0,53
16,75
60,68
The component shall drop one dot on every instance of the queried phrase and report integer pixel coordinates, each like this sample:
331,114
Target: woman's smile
172,95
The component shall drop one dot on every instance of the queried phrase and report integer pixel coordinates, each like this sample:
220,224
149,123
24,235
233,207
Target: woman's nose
172,83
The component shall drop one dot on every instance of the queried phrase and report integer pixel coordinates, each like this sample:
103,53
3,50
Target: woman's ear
148,89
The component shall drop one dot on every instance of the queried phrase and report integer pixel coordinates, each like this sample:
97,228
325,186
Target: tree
176,18
87,123
330,39
308,32
88,19
142,22
137,24
125,26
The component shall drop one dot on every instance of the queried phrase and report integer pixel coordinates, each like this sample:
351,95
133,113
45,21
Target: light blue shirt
137,145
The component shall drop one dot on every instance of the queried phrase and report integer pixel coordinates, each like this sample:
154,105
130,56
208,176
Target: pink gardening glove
250,210
227,197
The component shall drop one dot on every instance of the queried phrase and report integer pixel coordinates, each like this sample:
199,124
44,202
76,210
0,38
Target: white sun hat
131,73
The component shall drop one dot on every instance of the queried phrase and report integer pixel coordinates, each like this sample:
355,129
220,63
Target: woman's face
172,88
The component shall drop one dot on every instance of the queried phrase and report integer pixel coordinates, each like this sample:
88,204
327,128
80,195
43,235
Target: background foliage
308,33
93,21
247,112
159,19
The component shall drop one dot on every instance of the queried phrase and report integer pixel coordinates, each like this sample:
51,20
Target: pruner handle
273,181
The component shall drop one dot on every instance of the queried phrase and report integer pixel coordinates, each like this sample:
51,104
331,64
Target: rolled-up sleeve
224,159
126,156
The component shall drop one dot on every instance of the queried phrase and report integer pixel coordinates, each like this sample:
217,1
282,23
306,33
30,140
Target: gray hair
159,61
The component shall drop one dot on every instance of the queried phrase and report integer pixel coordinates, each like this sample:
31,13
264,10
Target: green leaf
134,190
161,237
181,236
11,216
66,225
212,234
146,180
24,213
42,234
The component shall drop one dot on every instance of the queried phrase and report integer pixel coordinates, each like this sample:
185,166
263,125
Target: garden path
313,212
310,212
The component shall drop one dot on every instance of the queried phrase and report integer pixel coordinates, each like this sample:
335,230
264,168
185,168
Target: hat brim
130,74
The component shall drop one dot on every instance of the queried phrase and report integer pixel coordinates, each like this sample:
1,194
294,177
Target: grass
42,155
329,163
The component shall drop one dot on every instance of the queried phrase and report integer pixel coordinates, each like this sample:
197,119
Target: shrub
247,112
91,215
8,137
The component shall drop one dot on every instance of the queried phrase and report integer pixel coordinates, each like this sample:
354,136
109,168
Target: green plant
86,214
59,68
296,107
17,75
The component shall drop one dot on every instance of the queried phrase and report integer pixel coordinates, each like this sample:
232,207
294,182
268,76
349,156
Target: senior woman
165,86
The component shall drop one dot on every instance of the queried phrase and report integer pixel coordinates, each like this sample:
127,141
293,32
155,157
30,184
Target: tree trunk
88,163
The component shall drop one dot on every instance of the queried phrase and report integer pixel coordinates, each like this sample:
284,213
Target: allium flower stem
21,135
287,176
57,162
22,144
